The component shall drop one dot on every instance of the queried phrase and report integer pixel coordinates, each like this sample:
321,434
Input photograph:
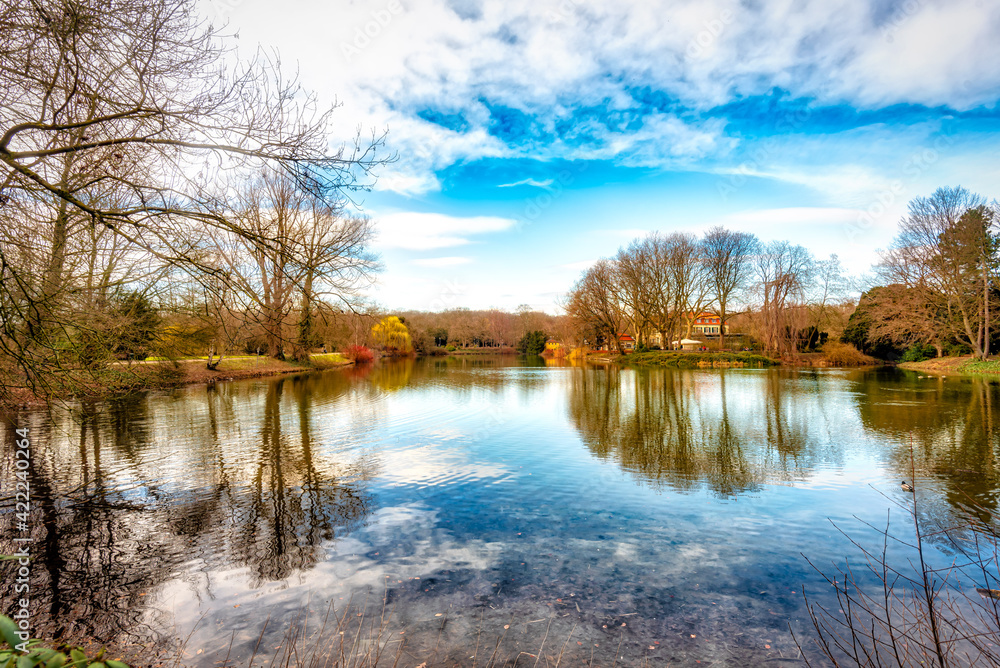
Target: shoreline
964,365
124,378
833,358
693,360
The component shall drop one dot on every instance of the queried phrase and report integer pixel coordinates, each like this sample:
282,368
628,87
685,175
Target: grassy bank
692,360
192,371
965,365
127,377
473,351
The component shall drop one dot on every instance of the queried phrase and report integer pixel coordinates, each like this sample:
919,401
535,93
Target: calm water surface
660,515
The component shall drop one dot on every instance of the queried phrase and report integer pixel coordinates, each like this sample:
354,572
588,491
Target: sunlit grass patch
980,366
691,359
329,357
328,360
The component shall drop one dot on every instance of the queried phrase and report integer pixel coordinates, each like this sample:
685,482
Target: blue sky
537,136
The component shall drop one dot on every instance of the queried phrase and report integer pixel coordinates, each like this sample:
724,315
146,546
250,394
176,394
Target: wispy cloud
577,266
441,261
528,182
784,218
427,231
619,81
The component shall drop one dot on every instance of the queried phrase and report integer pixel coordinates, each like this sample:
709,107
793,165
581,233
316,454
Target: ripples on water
593,508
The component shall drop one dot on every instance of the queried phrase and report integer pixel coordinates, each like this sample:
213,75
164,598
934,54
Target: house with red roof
709,324
706,326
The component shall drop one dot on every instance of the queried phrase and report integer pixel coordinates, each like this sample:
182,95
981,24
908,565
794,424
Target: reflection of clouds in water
412,540
402,547
852,474
261,497
626,551
443,434
428,466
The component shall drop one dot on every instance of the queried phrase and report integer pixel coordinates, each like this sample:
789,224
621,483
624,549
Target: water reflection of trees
128,495
951,423
461,373
678,428
392,375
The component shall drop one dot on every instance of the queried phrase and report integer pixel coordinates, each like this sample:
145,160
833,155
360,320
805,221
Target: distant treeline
491,328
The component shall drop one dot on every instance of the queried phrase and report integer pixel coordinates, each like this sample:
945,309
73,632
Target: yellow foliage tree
392,335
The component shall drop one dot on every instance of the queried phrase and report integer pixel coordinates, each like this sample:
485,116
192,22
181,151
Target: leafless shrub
902,611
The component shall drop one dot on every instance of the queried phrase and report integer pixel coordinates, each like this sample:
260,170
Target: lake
477,510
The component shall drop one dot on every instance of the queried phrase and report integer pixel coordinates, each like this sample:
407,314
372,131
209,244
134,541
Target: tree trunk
213,365
41,314
986,312
722,325
305,321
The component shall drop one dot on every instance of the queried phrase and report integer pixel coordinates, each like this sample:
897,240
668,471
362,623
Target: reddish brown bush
359,354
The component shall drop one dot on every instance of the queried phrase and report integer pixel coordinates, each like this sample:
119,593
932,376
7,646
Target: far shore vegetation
638,308
115,249
695,359
172,213
960,365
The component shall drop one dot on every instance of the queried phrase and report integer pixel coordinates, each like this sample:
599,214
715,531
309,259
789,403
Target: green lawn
691,359
980,366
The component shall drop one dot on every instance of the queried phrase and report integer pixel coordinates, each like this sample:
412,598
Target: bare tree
782,273
728,264
830,290
664,316
333,262
632,287
502,328
946,253
119,115
593,302
692,285
298,245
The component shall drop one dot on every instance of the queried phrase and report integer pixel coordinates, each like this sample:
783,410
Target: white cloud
551,58
441,261
855,184
577,266
528,182
792,216
427,231
926,53
823,230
